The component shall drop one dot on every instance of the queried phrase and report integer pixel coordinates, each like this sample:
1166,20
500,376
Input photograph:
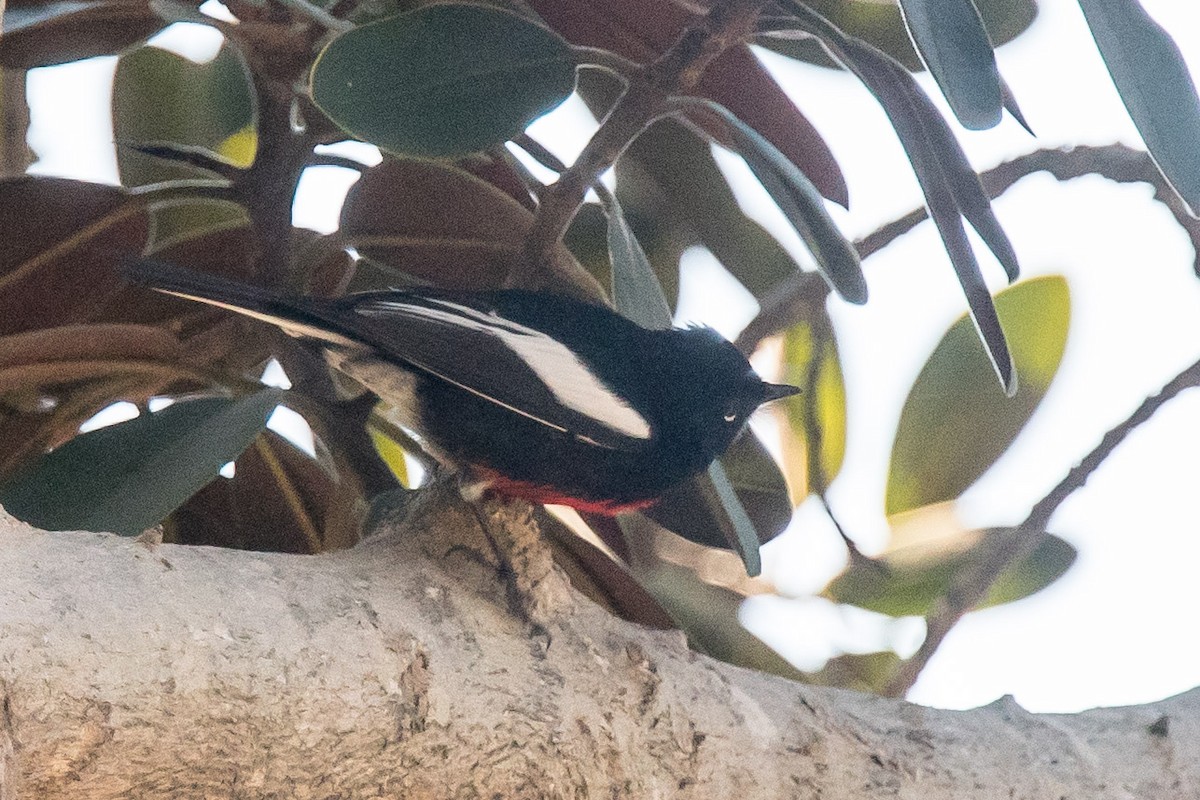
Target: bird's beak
778,391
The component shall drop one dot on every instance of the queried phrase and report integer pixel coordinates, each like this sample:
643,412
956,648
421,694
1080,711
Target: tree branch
132,669
787,304
1005,547
646,99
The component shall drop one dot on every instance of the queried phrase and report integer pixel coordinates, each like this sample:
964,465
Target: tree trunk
396,669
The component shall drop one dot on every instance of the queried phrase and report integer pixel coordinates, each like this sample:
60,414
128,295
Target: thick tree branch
130,669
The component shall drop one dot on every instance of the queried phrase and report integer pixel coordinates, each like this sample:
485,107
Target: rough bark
396,669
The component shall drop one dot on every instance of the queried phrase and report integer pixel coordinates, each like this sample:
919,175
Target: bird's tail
296,315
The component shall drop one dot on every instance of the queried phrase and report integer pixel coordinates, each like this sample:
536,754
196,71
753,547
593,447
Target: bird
526,394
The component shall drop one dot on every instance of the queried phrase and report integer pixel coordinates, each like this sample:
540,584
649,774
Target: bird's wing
510,364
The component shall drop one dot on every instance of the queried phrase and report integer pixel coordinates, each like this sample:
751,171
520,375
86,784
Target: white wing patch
570,380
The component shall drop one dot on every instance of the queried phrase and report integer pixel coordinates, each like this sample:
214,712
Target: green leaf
760,488
639,296
723,501
819,411
128,477
950,37
1155,86
908,581
443,80
881,24
669,177
952,189
954,426
803,206
635,288
163,99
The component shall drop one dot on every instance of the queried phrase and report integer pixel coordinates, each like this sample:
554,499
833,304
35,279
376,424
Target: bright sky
1118,628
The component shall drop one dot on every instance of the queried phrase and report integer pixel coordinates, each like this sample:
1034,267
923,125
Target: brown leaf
440,224
89,342
642,31
279,500
39,33
59,243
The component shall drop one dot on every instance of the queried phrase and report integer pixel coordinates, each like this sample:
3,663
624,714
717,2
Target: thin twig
539,153
788,303
1010,545
1115,161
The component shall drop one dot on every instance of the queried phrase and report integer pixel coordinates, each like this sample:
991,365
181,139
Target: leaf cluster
211,155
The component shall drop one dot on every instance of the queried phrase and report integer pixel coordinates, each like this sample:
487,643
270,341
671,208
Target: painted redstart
532,395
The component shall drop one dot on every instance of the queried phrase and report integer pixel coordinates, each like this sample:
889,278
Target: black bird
529,394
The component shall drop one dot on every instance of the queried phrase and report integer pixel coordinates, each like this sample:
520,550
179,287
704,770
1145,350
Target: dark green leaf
1010,105
444,80
723,501
908,581
127,477
881,24
759,485
669,182
635,288
640,296
954,426
1155,86
803,206
954,45
952,189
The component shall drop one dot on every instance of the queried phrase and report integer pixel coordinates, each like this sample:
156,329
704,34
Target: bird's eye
731,415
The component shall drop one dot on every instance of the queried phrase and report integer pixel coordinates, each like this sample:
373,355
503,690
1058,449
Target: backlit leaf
163,99
908,581
820,409
954,425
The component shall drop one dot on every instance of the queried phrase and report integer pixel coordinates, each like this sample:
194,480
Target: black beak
778,391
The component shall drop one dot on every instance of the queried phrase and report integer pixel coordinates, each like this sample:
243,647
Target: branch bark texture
396,669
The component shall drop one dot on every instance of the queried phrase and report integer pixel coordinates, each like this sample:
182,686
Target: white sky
1115,629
